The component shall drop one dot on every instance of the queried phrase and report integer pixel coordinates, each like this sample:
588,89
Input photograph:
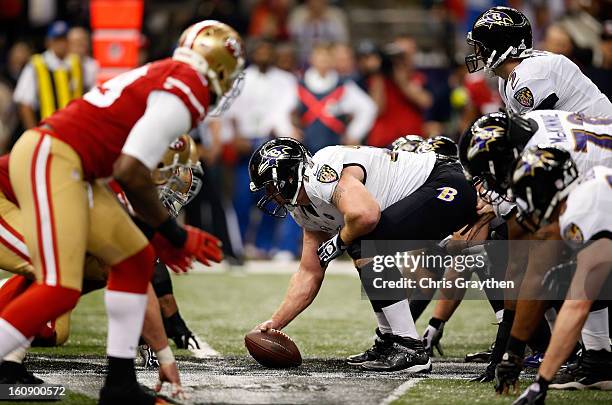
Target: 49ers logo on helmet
178,144
494,17
234,47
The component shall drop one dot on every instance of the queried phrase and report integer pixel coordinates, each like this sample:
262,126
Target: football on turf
272,349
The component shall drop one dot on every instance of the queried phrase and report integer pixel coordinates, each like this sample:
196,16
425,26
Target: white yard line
399,391
273,267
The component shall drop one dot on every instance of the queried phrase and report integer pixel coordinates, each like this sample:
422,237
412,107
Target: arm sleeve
25,92
165,119
359,104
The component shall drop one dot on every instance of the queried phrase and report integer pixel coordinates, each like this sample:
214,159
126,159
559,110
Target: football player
529,79
548,194
486,150
177,184
345,196
121,129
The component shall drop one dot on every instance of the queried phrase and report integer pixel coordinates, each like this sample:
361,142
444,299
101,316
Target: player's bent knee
134,273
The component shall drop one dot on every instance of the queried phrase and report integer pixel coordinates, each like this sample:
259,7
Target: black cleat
404,354
381,344
132,393
149,358
480,357
486,376
16,373
593,372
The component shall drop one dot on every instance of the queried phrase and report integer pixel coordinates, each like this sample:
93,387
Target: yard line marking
399,391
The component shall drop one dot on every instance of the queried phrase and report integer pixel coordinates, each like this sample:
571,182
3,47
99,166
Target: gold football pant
59,226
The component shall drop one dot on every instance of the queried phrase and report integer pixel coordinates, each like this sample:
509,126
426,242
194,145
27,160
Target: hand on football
169,373
267,325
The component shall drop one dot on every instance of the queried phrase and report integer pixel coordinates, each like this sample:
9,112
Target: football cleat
534,360
16,373
132,393
486,376
480,357
593,372
405,354
149,358
199,348
382,343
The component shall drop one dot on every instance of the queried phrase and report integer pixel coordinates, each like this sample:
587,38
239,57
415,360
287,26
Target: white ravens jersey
547,81
388,176
587,212
587,139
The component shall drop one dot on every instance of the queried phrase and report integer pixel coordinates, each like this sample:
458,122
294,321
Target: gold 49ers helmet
177,175
215,50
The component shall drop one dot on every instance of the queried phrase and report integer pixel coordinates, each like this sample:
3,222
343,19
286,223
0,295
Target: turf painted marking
399,391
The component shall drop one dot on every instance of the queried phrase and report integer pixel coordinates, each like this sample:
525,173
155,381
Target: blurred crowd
312,75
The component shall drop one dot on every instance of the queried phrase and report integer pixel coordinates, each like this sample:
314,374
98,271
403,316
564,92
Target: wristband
165,356
171,230
145,228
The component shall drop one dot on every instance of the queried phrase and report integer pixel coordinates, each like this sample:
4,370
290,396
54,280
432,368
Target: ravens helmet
498,34
408,143
178,174
441,145
490,145
278,167
542,177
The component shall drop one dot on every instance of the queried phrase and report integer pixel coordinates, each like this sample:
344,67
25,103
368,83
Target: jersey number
108,92
582,137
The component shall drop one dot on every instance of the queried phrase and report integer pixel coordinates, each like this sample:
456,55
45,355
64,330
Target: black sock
435,322
516,346
417,306
540,337
175,325
120,371
503,333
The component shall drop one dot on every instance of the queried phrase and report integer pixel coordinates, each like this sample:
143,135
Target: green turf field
221,308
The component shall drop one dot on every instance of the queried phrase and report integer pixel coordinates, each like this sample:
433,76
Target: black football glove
507,373
487,376
330,249
535,394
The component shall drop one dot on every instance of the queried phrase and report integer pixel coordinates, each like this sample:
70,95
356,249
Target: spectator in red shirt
400,94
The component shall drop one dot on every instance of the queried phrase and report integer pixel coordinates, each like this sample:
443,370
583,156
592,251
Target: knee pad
134,273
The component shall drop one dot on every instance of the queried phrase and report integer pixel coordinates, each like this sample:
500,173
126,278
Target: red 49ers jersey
97,125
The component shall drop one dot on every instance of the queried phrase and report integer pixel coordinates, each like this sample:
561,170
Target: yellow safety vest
54,89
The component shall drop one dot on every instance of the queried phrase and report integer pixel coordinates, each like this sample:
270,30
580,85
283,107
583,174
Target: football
272,349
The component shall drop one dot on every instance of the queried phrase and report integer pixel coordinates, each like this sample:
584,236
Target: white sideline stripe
11,239
174,82
399,391
44,211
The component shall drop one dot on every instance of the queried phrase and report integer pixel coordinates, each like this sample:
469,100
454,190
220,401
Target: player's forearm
358,224
565,334
153,328
135,180
303,288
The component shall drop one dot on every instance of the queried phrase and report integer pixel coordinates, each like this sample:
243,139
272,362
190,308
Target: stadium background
388,44
392,42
